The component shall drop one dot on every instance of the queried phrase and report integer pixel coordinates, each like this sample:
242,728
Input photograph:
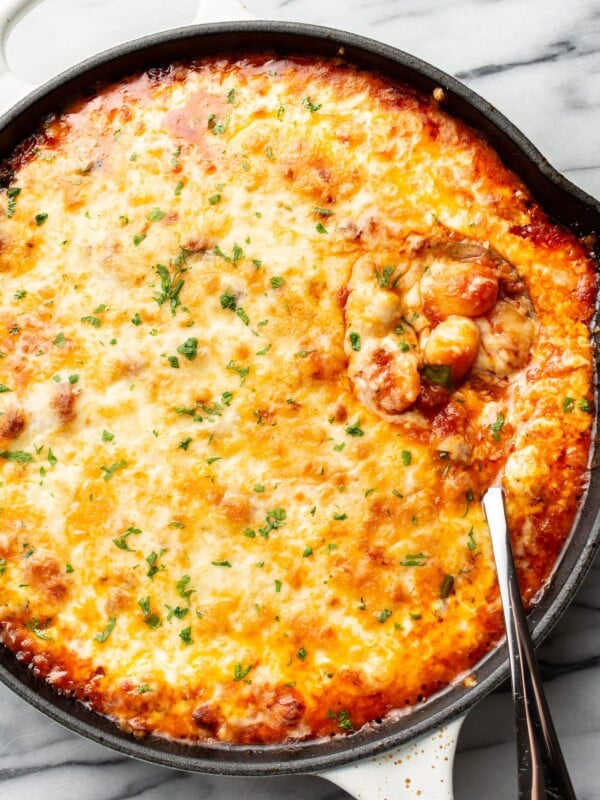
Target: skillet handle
221,11
12,88
420,770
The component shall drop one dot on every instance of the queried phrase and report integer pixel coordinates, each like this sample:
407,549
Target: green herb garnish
102,637
438,375
414,560
189,348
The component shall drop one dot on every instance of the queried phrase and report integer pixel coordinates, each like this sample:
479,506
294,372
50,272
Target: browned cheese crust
268,328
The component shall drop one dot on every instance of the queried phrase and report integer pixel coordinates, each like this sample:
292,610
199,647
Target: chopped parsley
151,620
178,187
385,277
277,281
177,612
12,195
354,341
110,471
102,637
182,589
241,371
447,586
185,443
155,215
320,228
37,628
4,388
170,285
3,565
121,541
469,498
308,104
383,615
189,348
240,672
438,375
341,717
344,722
185,634
217,127
354,429
107,436
414,560
40,218
214,199
17,456
568,405
406,457
301,654
237,253
60,341
497,426
139,238
471,544
228,300
275,519
92,320
151,559
221,563
136,319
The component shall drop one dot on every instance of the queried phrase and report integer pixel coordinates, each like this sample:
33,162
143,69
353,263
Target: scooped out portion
440,311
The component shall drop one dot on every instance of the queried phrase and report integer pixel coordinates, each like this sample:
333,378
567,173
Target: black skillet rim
565,203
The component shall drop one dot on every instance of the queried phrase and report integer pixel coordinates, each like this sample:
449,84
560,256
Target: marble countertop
537,61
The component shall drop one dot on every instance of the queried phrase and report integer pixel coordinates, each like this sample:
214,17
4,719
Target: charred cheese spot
63,403
282,324
12,423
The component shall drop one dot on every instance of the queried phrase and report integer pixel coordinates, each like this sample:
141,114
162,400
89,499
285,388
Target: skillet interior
565,203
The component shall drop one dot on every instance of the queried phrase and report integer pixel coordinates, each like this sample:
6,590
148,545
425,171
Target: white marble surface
538,61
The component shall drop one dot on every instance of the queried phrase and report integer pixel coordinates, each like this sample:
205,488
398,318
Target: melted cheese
235,503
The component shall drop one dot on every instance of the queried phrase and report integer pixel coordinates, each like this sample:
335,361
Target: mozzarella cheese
268,328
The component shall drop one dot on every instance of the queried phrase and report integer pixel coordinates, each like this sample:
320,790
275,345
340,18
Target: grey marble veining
537,61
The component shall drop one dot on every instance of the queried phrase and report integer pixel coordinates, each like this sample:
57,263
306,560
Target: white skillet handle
220,11
12,88
420,770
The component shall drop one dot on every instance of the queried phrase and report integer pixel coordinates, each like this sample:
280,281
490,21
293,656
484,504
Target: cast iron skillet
564,202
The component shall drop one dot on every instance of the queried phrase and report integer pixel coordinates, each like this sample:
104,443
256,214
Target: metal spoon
543,773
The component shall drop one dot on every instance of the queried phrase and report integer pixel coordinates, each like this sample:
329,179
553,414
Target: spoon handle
543,773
